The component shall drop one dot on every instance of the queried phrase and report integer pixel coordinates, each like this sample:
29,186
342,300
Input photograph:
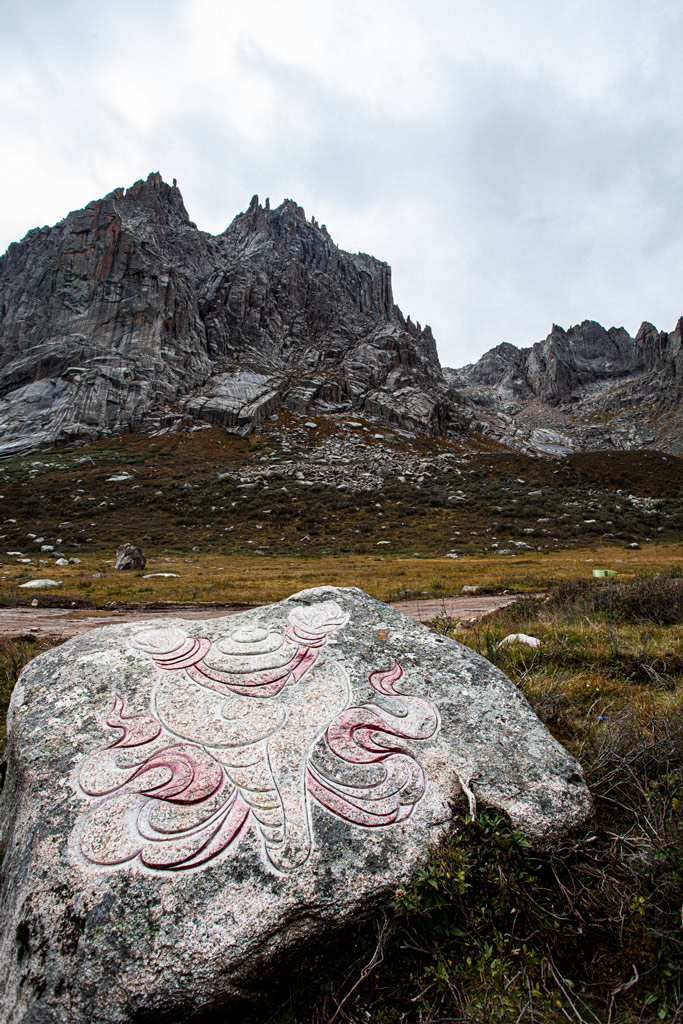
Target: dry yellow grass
247,578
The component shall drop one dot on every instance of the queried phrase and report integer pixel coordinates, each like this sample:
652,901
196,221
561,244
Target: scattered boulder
39,584
198,808
128,556
634,545
520,638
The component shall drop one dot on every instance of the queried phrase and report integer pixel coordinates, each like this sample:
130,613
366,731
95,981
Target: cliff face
583,388
99,317
566,363
126,316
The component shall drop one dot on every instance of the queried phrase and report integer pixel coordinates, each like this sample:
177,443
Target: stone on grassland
129,556
190,808
40,584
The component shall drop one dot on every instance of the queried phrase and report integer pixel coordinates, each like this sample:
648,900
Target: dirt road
466,608
62,623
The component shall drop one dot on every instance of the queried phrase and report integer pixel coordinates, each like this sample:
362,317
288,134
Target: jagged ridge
579,388
125,316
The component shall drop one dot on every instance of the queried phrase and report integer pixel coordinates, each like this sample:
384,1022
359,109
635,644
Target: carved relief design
245,734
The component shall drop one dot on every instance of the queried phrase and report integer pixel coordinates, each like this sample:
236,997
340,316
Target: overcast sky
517,163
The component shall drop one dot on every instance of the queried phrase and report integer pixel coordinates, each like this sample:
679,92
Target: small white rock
35,584
520,638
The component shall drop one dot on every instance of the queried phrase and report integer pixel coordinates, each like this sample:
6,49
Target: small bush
657,599
14,654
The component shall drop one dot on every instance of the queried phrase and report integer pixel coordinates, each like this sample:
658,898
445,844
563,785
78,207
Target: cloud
516,166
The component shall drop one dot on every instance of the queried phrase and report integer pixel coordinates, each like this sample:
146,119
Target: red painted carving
366,735
175,803
137,729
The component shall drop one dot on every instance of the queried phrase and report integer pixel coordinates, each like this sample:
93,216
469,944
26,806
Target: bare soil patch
62,623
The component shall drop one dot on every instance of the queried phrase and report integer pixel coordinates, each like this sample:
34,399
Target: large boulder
193,809
129,556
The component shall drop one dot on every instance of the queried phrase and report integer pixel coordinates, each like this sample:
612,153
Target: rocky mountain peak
578,388
124,315
285,232
148,207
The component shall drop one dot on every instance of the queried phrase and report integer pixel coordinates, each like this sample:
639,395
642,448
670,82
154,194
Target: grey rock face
125,316
189,808
578,389
129,556
99,318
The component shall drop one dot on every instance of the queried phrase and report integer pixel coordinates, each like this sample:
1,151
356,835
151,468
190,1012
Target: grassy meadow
242,578
235,516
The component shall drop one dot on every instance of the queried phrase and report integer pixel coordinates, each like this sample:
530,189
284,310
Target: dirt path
66,622
468,608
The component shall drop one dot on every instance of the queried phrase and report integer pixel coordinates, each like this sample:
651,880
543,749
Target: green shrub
651,598
14,654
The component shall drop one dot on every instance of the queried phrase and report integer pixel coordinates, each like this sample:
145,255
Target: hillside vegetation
240,519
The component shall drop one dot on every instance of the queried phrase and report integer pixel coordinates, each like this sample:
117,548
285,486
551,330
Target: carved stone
189,808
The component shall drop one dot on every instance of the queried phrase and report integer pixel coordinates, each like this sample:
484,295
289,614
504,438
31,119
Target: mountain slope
583,388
